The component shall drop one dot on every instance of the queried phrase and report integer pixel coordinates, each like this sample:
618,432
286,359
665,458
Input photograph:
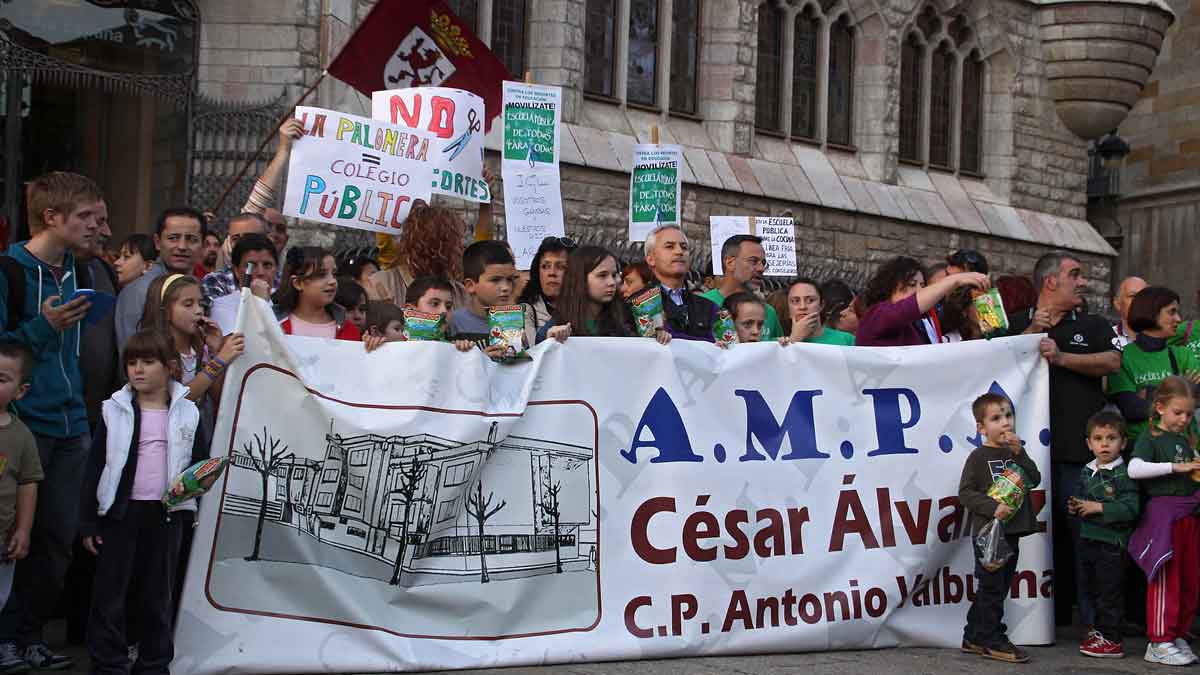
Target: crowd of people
108,407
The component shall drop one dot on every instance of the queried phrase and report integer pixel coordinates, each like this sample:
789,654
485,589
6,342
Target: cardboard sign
778,235
455,119
654,189
357,172
529,168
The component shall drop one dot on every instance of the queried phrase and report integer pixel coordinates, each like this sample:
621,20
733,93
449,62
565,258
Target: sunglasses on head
566,242
971,258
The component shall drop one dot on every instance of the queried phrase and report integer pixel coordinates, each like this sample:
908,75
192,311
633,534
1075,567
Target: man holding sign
744,262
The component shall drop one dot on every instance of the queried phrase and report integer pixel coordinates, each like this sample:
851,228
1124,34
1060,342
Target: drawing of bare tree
552,510
481,509
268,459
411,479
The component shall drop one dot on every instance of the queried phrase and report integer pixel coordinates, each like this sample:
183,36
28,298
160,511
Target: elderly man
689,316
744,262
1129,287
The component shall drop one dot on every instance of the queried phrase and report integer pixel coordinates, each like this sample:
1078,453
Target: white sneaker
1186,649
1166,653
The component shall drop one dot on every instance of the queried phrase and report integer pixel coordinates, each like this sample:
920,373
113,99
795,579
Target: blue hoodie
54,405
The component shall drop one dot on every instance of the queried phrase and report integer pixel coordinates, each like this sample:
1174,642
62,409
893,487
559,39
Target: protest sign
356,172
721,228
654,188
609,499
529,167
454,118
778,235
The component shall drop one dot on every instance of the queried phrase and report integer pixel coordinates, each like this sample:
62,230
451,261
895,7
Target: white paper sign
455,119
529,168
357,172
779,241
722,228
654,188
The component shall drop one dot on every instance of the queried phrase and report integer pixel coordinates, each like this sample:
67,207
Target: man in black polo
1080,351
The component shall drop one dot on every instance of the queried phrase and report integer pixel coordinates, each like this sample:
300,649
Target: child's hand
496,352
560,333
1193,376
1003,511
662,336
18,544
785,341
464,345
722,344
232,347
1088,508
1013,442
211,332
1185,467
92,544
373,342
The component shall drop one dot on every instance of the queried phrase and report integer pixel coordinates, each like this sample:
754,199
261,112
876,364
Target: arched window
805,29
970,150
642,74
685,55
941,83
768,85
600,47
841,82
910,99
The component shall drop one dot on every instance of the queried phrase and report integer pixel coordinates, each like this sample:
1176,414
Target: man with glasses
744,261
689,315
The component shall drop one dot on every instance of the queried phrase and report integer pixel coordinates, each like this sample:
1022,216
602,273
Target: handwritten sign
653,188
529,167
455,119
357,172
778,241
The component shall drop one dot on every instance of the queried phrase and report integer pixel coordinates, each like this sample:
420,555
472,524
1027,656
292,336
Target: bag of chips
648,314
1009,488
990,308
194,481
724,330
991,548
420,325
506,327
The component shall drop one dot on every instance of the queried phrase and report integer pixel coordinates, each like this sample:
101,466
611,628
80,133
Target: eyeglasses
566,242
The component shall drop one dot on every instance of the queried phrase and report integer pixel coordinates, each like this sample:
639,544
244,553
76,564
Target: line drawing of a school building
352,499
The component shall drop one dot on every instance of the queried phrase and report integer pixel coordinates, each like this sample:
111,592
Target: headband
162,295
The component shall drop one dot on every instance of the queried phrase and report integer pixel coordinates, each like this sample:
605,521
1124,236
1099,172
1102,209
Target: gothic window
972,115
941,82
600,47
642,84
804,75
841,82
767,90
685,55
910,99
508,34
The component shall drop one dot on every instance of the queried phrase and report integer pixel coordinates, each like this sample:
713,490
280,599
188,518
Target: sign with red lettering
357,172
454,118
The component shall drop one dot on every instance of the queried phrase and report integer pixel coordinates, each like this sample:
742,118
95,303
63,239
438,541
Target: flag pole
267,139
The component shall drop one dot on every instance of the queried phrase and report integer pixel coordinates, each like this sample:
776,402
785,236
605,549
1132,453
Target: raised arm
930,296
266,188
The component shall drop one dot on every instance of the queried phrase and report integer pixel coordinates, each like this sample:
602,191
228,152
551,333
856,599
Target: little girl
173,309
149,433
352,298
588,303
749,314
137,256
1163,456
304,303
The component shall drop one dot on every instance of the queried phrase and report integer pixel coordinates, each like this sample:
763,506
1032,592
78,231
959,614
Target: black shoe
1007,652
39,657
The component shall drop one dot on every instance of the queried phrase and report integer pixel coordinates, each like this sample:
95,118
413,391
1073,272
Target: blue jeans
39,577
1068,567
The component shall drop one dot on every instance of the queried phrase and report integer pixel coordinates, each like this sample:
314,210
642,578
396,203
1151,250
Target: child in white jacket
149,435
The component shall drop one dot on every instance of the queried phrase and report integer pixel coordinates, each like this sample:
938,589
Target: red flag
413,43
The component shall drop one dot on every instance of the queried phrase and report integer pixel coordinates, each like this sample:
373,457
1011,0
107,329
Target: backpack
14,274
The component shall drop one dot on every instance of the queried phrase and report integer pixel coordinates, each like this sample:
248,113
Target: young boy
1001,451
1108,502
20,465
385,320
432,295
490,273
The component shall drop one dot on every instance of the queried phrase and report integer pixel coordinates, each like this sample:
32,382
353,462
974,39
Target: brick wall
258,50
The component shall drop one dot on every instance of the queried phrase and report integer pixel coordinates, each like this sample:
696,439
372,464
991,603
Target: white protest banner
609,499
721,228
455,119
355,171
779,242
654,188
529,167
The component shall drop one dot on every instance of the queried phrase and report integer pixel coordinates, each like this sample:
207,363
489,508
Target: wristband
219,361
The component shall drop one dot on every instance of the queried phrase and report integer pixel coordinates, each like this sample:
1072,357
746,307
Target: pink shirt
150,479
317,330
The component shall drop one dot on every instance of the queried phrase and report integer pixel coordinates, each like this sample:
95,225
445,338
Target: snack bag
506,327
724,329
991,548
1009,488
194,481
990,309
648,312
420,325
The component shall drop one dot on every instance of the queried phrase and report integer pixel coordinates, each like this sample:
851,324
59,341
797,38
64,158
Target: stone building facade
854,203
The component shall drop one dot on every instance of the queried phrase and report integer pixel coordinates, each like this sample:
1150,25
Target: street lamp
1112,149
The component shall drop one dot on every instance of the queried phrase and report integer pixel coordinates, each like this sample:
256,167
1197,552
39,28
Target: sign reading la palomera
357,172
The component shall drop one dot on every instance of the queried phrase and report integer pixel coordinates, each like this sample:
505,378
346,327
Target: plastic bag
422,326
648,312
991,547
725,330
990,309
194,481
506,326
1009,488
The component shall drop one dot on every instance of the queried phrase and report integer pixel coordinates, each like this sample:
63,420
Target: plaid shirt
216,284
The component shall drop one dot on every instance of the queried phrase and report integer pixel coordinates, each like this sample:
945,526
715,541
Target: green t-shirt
1143,371
1188,335
833,336
1166,447
20,464
772,329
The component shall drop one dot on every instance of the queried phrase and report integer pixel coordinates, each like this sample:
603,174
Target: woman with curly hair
897,296
430,245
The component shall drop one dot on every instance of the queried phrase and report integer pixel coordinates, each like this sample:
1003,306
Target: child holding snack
1108,502
20,468
304,302
489,275
431,295
1166,544
1000,460
748,314
149,433
588,304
